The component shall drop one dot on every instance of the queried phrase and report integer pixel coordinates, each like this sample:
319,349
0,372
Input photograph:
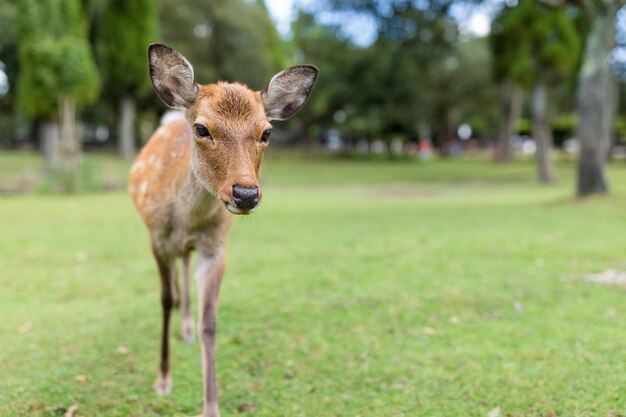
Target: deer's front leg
163,384
209,273
187,326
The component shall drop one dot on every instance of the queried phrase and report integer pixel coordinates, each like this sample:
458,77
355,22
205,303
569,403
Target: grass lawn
359,288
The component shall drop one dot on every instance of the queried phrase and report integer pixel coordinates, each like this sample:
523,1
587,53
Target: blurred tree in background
418,77
57,75
596,96
596,92
224,39
334,90
532,46
9,65
126,28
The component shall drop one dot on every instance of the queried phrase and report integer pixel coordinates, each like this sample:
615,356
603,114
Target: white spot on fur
137,166
172,116
143,187
151,159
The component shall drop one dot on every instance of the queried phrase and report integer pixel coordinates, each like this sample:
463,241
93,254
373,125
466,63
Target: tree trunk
596,103
542,134
50,142
126,127
70,146
510,111
443,131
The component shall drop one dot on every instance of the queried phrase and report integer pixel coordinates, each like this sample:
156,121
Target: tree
511,95
339,62
8,65
418,76
127,27
226,39
57,75
596,97
534,45
596,93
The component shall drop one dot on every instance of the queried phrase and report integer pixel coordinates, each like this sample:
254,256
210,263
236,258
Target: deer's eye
202,131
265,137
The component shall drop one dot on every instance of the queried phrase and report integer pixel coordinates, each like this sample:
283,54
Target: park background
442,230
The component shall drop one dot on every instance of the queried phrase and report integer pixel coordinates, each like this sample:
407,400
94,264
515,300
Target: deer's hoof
163,384
211,413
187,330
210,410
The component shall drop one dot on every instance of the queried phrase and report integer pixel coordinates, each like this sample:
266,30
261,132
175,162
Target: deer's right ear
288,91
172,76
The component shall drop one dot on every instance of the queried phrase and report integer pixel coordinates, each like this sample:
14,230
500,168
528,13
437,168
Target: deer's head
230,123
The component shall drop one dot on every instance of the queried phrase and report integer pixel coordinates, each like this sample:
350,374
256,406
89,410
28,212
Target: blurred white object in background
529,147
464,132
571,146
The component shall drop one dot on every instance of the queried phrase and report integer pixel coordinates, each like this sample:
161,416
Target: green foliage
55,57
564,124
531,41
7,23
127,28
418,71
231,40
8,38
62,67
9,121
243,42
339,63
523,126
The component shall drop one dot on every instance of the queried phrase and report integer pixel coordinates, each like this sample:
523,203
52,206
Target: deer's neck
197,203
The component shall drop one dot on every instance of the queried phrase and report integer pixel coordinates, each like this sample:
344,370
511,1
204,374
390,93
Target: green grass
358,289
23,172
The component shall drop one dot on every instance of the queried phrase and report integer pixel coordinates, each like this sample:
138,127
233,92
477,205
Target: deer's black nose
245,198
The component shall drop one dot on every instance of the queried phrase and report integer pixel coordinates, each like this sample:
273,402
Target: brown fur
182,185
168,178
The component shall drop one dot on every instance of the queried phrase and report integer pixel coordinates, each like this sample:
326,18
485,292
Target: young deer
193,175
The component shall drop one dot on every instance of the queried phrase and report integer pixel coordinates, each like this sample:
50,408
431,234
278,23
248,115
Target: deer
190,180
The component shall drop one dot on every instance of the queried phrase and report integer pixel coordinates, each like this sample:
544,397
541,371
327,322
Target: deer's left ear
288,91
